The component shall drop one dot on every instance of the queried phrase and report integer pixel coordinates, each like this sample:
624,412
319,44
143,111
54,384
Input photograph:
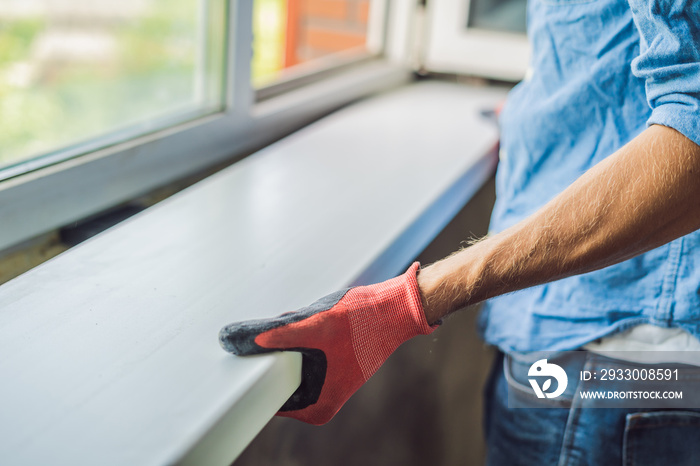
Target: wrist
455,282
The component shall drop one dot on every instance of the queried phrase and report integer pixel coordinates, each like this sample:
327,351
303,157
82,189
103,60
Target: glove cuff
383,316
415,304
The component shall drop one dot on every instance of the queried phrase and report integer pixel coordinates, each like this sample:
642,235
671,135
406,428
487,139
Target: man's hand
343,338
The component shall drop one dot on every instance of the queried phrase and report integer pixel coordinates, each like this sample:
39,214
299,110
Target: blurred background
75,70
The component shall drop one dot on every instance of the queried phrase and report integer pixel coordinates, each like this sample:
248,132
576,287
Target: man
597,208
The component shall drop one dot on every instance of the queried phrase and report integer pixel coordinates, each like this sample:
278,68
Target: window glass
75,70
288,33
498,15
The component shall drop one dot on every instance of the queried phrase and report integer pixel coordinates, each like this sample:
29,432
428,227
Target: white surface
109,352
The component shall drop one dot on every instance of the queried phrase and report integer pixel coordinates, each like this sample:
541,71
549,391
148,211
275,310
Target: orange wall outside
321,27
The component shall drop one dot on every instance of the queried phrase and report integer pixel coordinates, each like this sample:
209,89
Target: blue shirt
601,71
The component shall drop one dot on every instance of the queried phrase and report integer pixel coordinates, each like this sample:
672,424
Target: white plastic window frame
453,48
40,201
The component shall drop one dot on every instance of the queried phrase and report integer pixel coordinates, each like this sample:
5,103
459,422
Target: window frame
491,54
39,201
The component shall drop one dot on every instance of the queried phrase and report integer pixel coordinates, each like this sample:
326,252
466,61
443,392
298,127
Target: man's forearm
643,196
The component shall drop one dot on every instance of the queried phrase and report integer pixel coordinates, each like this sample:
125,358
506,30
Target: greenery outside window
71,72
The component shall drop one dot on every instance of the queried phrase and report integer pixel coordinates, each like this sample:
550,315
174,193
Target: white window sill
110,351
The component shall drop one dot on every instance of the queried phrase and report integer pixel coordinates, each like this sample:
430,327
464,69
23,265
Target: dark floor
423,407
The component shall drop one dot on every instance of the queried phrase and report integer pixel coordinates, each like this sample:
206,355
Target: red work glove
344,338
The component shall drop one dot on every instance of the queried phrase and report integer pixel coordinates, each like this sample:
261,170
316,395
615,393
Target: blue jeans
575,435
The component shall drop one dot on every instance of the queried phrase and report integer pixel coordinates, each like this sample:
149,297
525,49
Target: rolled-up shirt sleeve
669,62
